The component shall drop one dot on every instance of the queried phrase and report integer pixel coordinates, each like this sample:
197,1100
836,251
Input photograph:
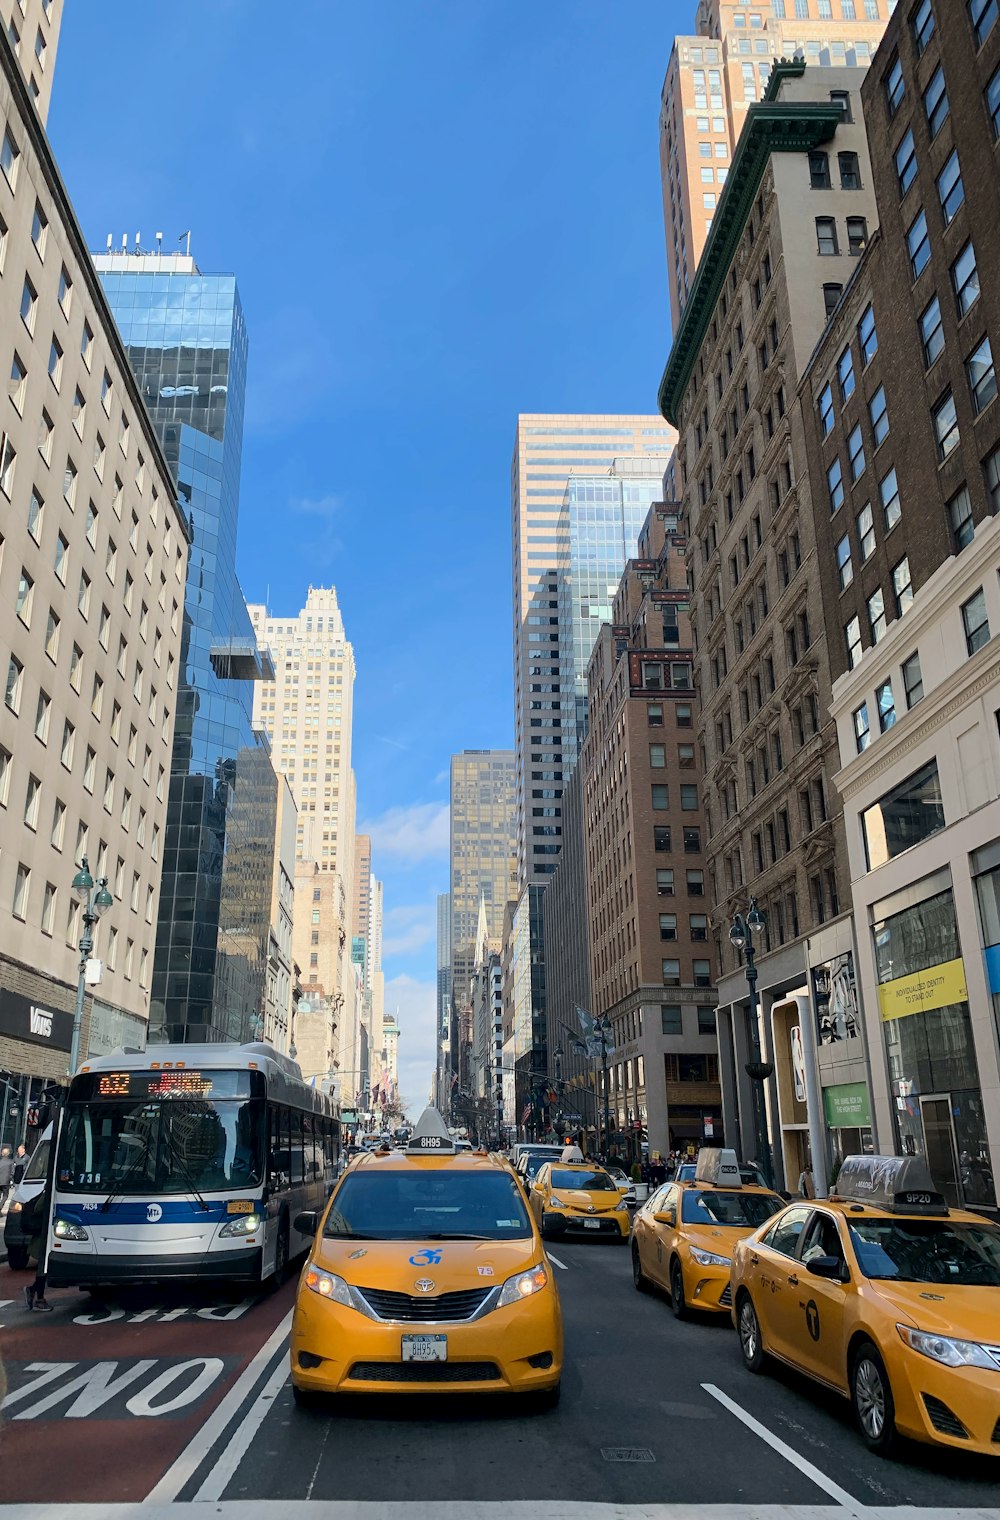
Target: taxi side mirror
827,1266
307,1221
664,1216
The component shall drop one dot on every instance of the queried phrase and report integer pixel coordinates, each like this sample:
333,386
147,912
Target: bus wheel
280,1255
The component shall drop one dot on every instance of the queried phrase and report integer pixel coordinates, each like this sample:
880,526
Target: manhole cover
627,1454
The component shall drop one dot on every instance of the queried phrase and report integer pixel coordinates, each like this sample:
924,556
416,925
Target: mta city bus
188,1161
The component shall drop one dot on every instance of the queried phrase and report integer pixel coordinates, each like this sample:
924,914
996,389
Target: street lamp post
95,899
557,1057
602,1027
757,1069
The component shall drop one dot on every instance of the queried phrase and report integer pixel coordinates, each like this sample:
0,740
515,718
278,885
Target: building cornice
772,126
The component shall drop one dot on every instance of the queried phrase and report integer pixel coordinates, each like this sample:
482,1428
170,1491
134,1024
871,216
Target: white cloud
408,928
417,1038
324,507
409,834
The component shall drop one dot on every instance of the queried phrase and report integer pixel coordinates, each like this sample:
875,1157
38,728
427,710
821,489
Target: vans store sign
22,1019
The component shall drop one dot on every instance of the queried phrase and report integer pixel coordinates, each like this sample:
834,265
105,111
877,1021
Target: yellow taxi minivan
575,1198
886,1295
427,1274
683,1236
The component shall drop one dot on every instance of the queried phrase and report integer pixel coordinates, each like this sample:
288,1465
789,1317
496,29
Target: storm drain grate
627,1454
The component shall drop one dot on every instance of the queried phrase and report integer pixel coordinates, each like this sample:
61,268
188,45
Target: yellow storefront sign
937,987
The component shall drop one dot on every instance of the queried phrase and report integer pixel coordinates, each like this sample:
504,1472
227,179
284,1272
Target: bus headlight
243,1224
66,1230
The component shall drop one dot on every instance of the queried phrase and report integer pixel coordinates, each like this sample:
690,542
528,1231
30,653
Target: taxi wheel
751,1344
677,1300
639,1277
871,1399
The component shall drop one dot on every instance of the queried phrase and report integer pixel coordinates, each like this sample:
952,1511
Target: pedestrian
6,1173
807,1185
35,1224
571,1150
20,1162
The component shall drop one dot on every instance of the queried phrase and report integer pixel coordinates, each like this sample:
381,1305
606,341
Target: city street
185,1398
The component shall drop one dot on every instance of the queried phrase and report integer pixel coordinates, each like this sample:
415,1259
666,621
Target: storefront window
911,812
934,1077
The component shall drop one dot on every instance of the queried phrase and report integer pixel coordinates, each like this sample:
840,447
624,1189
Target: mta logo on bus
153,1213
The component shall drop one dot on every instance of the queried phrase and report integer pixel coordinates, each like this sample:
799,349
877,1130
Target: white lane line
556,1262
238,1444
198,1448
839,1495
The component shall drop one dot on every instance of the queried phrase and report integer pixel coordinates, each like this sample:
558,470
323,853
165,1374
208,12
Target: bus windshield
168,1145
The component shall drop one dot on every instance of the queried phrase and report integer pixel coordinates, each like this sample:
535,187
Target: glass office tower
187,343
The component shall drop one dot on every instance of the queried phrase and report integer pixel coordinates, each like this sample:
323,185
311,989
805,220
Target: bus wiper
178,1156
126,1174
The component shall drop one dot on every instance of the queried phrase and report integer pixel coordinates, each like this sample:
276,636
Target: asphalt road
188,1398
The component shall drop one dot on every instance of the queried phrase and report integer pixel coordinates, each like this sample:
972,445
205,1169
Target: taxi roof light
718,1167
431,1134
896,1184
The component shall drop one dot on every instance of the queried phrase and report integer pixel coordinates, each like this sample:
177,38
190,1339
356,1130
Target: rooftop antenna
124,242
111,238
186,236
137,242
159,242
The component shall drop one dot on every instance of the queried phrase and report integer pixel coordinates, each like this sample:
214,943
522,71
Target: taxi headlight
941,1348
245,1224
710,1258
523,1286
622,1205
15,1207
329,1285
555,1203
66,1230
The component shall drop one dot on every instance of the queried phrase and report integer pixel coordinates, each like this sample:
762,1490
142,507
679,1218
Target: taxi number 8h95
427,1143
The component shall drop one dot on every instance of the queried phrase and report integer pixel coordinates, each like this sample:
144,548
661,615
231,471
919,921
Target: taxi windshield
716,1207
424,1205
574,1182
928,1251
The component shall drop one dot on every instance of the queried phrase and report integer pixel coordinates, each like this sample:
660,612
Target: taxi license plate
591,1224
425,1348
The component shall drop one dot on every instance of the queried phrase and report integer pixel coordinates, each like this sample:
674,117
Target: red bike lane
103,1397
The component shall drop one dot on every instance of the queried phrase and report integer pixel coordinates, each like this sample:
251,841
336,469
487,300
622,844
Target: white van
15,1240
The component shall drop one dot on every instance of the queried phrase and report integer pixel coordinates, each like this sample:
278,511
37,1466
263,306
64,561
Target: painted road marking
438,1509
555,1260
239,1441
839,1495
191,1458
221,1313
91,1386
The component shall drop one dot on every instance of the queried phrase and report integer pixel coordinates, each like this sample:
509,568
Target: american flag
527,1113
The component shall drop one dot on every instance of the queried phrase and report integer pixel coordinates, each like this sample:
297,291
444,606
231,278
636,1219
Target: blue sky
440,213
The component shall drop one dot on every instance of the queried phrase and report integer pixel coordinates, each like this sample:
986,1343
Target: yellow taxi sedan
683,1236
427,1274
576,1199
888,1296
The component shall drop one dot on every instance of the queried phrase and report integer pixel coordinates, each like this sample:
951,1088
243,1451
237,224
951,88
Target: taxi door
668,1202
820,1345
776,1281
537,1193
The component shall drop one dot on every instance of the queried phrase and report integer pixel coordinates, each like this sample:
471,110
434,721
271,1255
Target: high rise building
482,864
570,540
92,583
278,1004
32,31
442,1004
798,211
712,80
187,344
307,710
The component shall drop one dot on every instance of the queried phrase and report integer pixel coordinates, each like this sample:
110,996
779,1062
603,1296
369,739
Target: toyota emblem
590,1208
425,1285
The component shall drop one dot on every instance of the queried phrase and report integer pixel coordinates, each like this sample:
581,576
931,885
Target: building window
886,706
692,841
850,172
852,637
895,86
665,883
862,728
835,486
668,925
689,798
991,472
866,532
931,331
857,234
831,299
936,102
906,162
867,335
922,22
695,883
876,615
702,973
982,376
845,565
819,171
661,798
910,813
657,756
879,415
918,244
682,715
661,839
960,518
671,972
975,622
654,714
913,684
826,235
856,453
845,374
965,279
951,191
993,102
706,1021
825,405
945,425
670,1015
22,881
983,15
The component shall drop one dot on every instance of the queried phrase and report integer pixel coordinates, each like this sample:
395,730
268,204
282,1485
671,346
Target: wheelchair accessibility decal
429,1257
